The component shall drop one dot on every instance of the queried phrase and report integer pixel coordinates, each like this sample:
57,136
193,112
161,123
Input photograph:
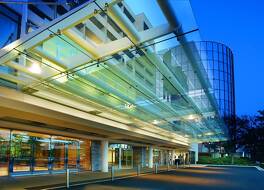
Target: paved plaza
189,178
205,178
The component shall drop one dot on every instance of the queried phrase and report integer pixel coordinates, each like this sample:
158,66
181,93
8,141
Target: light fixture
194,117
129,106
35,68
155,122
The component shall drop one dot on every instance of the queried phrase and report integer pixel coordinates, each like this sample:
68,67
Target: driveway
196,178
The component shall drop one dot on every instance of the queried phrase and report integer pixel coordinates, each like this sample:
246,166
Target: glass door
21,151
127,157
57,154
41,152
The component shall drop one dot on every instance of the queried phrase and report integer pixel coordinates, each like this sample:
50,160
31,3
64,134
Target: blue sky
240,25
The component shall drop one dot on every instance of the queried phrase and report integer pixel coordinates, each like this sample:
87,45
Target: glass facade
22,151
120,156
211,76
218,63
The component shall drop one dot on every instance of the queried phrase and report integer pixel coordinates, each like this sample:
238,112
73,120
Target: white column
194,147
150,162
104,156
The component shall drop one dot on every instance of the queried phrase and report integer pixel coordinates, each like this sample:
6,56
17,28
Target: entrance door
64,153
21,152
58,154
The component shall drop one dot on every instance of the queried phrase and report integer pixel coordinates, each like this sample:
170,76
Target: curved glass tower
217,61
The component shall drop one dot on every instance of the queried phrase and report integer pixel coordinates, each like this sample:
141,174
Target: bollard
168,167
112,173
177,165
156,168
138,170
67,178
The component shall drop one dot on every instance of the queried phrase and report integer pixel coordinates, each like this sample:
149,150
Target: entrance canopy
98,53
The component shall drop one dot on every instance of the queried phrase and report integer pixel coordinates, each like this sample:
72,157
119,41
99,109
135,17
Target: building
88,85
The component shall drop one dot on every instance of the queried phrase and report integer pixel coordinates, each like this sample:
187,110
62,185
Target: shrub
224,160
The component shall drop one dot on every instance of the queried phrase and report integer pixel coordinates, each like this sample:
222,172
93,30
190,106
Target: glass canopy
98,53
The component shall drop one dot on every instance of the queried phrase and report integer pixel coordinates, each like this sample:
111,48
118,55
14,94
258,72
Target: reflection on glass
30,152
58,153
85,155
72,154
120,156
126,158
156,156
21,151
4,151
41,152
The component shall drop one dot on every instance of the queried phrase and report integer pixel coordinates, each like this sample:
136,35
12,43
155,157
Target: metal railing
115,173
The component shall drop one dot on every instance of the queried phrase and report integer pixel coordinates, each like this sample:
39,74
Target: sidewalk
48,181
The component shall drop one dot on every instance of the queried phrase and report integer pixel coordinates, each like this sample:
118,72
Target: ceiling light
129,106
155,122
35,68
193,117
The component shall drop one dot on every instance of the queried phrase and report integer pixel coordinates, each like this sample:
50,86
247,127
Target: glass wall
4,151
58,156
156,156
120,156
85,154
22,151
41,152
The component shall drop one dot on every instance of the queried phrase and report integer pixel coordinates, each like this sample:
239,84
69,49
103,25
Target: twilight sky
240,25
237,23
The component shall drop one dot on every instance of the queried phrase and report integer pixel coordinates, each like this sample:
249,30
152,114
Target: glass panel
85,154
112,159
72,154
156,156
21,151
58,153
127,157
41,152
4,151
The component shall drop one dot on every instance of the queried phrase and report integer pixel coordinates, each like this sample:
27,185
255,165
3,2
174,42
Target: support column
194,147
150,161
104,156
